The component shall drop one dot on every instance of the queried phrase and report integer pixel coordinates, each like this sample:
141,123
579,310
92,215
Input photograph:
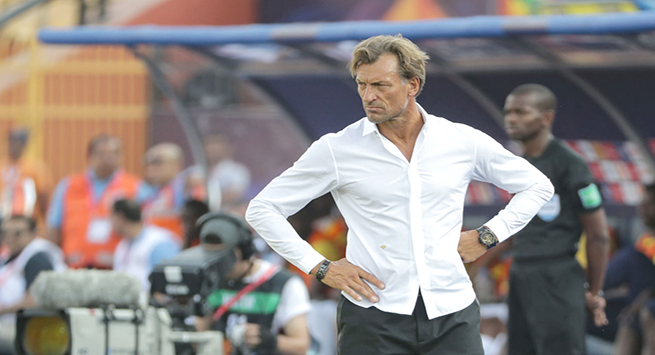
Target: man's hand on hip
469,247
347,277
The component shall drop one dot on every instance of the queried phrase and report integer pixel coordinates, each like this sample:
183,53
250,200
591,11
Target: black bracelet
322,270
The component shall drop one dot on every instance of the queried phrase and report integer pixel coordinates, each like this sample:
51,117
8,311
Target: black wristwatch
487,237
322,270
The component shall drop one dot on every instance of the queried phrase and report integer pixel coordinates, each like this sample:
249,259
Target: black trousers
370,331
546,307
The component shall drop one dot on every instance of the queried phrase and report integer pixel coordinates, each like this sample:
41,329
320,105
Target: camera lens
46,336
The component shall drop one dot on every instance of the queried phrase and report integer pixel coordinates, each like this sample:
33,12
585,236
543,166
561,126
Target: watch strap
322,270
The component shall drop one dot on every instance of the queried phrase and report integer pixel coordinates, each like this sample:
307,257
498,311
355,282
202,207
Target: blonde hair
411,59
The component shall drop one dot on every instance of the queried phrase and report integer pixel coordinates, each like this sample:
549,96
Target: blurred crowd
76,213
106,218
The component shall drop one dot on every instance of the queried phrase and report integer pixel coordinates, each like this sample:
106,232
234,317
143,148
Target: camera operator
261,308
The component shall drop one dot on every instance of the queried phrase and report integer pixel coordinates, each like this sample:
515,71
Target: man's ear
414,85
548,117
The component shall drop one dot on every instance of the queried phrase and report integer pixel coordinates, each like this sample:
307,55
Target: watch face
487,238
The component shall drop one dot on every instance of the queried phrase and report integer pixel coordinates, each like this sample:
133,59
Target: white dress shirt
404,217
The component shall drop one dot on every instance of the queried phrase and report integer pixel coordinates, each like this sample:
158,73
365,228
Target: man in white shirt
399,177
142,246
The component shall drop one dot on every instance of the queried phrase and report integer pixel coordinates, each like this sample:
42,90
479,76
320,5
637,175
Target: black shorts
547,307
370,331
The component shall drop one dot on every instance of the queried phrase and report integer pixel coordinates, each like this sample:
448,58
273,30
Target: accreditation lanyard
93,203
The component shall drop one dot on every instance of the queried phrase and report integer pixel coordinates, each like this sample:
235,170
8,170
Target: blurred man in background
24,183
224,175
191,212
28,256
79,213
632,270
269,318
142,246
547,297
171,187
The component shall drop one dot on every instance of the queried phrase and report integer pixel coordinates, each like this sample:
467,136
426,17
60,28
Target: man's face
189,222
152,169
523,119
106,158
384,93
117,223
217,149
189,219
646,210
16,235
159,170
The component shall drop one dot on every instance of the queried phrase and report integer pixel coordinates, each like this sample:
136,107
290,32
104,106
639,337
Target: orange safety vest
21,183
161,211
19,197
80,210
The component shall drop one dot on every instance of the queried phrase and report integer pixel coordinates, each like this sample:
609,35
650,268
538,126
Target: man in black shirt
27,257
547,295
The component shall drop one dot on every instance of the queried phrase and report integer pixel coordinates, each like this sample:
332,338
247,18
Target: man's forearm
521,209
595,227
281,237
292,345
596,261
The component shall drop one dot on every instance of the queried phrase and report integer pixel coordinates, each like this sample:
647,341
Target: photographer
261,308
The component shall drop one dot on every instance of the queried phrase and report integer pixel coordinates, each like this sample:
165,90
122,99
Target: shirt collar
370,127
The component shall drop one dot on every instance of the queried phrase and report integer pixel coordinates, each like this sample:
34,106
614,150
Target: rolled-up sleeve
531,188
313,175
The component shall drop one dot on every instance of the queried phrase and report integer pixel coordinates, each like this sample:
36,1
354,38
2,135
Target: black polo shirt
556,229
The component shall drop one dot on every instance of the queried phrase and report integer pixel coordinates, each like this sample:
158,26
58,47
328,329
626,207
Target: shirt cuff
310,260
499,228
